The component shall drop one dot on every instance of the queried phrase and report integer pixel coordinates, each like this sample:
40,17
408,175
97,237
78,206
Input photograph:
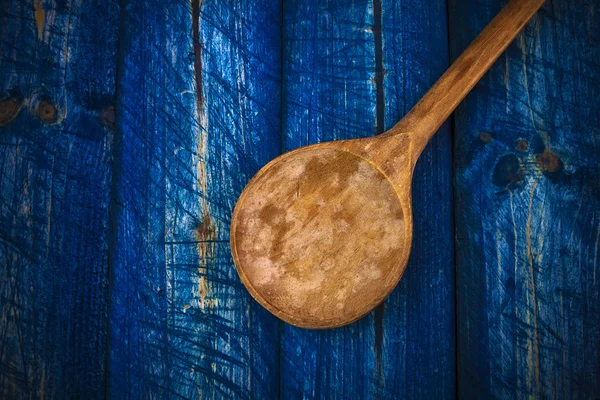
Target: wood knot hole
486,137
549,162
47,112
522,145
9,108
507,171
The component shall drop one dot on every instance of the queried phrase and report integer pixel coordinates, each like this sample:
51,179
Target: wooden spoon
322,234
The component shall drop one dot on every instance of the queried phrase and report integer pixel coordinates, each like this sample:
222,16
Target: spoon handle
425,118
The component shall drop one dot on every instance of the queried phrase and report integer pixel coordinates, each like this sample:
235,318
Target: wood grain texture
528,210
329,64
317,77
199,113
57,68
425,118
319,236
416,343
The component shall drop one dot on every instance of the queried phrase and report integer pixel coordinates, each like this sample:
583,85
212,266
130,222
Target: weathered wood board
128,130
198,115
352,69
57,69
527,157
328,93
418,322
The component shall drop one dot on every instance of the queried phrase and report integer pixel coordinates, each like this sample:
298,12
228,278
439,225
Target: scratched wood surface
352,69
128,131
329,93
57,68
527,157
198,115
418,351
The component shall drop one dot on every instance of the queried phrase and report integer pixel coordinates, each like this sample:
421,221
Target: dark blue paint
329,93
209,91
527,210
347,66
54,195
419,351
182,325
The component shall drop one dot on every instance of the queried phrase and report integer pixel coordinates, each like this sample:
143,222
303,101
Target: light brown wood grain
322,234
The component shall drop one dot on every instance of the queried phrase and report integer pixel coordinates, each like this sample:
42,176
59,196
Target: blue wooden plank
352,69
418,318
329,93
198,114
528,208
57,67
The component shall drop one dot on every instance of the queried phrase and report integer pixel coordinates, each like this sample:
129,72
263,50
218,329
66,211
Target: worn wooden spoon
322,234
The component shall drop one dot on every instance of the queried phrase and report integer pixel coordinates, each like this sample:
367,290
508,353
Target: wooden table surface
127,131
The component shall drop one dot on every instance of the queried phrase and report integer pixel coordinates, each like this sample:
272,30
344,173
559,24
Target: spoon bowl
323,235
